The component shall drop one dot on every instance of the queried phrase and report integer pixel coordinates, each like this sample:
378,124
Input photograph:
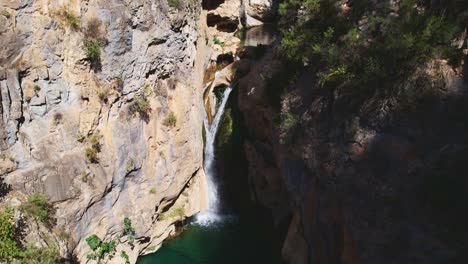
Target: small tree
8,246
170,120
124,255
128,230
37,208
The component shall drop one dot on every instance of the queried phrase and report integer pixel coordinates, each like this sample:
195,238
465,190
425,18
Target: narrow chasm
236,228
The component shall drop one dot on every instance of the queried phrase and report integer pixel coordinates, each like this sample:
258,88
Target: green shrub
93,242
37,208
140,105
40,255
379,56
124,255
217,41
93,51
101,249
5,13
92,151
175,3
170,120
9,247
72,20
92,154
104,95
289,122
128,228
152,190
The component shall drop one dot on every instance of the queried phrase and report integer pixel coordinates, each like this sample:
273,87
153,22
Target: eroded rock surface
57,106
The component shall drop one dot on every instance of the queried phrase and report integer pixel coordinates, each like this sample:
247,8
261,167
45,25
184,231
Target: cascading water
212,215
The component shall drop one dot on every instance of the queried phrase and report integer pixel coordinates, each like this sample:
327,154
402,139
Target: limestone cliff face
69,128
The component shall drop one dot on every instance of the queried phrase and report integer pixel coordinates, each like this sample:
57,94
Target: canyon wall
109,137
350,177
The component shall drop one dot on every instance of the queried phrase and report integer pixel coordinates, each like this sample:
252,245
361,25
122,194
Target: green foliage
93,242
380,55
225,131
217,41
104,95
170,120
289,122
93,51
152,190
5,13
95,139
124,255
175,3
92,154
140,105
94,147
39,255
101,249
37,208
173,213
128,228
9,247
72,20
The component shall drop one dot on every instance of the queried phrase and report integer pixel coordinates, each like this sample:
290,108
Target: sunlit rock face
91,133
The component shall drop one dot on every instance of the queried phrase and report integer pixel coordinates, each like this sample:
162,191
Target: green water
231,242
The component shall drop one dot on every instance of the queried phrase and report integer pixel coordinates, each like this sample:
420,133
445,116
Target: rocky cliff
101,111
351,175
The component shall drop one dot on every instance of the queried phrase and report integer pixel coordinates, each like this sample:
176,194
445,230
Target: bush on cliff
38,208
9,247
374,54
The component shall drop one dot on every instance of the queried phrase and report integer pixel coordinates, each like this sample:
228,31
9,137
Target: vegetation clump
128,230
94,147
141,106
38,208
105,251
175,4
93,41
9,247
371,59
43,255
72,20
217,41
170,120
125,256
5,13
104,95
101,250
174,213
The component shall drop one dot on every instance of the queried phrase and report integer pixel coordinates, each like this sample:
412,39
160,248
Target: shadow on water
234,241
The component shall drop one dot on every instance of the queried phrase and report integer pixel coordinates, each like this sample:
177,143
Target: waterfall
212,215
210,166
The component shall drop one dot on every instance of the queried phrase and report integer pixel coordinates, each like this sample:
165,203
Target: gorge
233,131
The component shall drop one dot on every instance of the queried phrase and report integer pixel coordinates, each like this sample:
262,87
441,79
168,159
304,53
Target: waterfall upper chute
212,215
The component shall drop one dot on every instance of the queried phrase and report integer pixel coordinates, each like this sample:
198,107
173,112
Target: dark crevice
223,24
225,58
211,4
